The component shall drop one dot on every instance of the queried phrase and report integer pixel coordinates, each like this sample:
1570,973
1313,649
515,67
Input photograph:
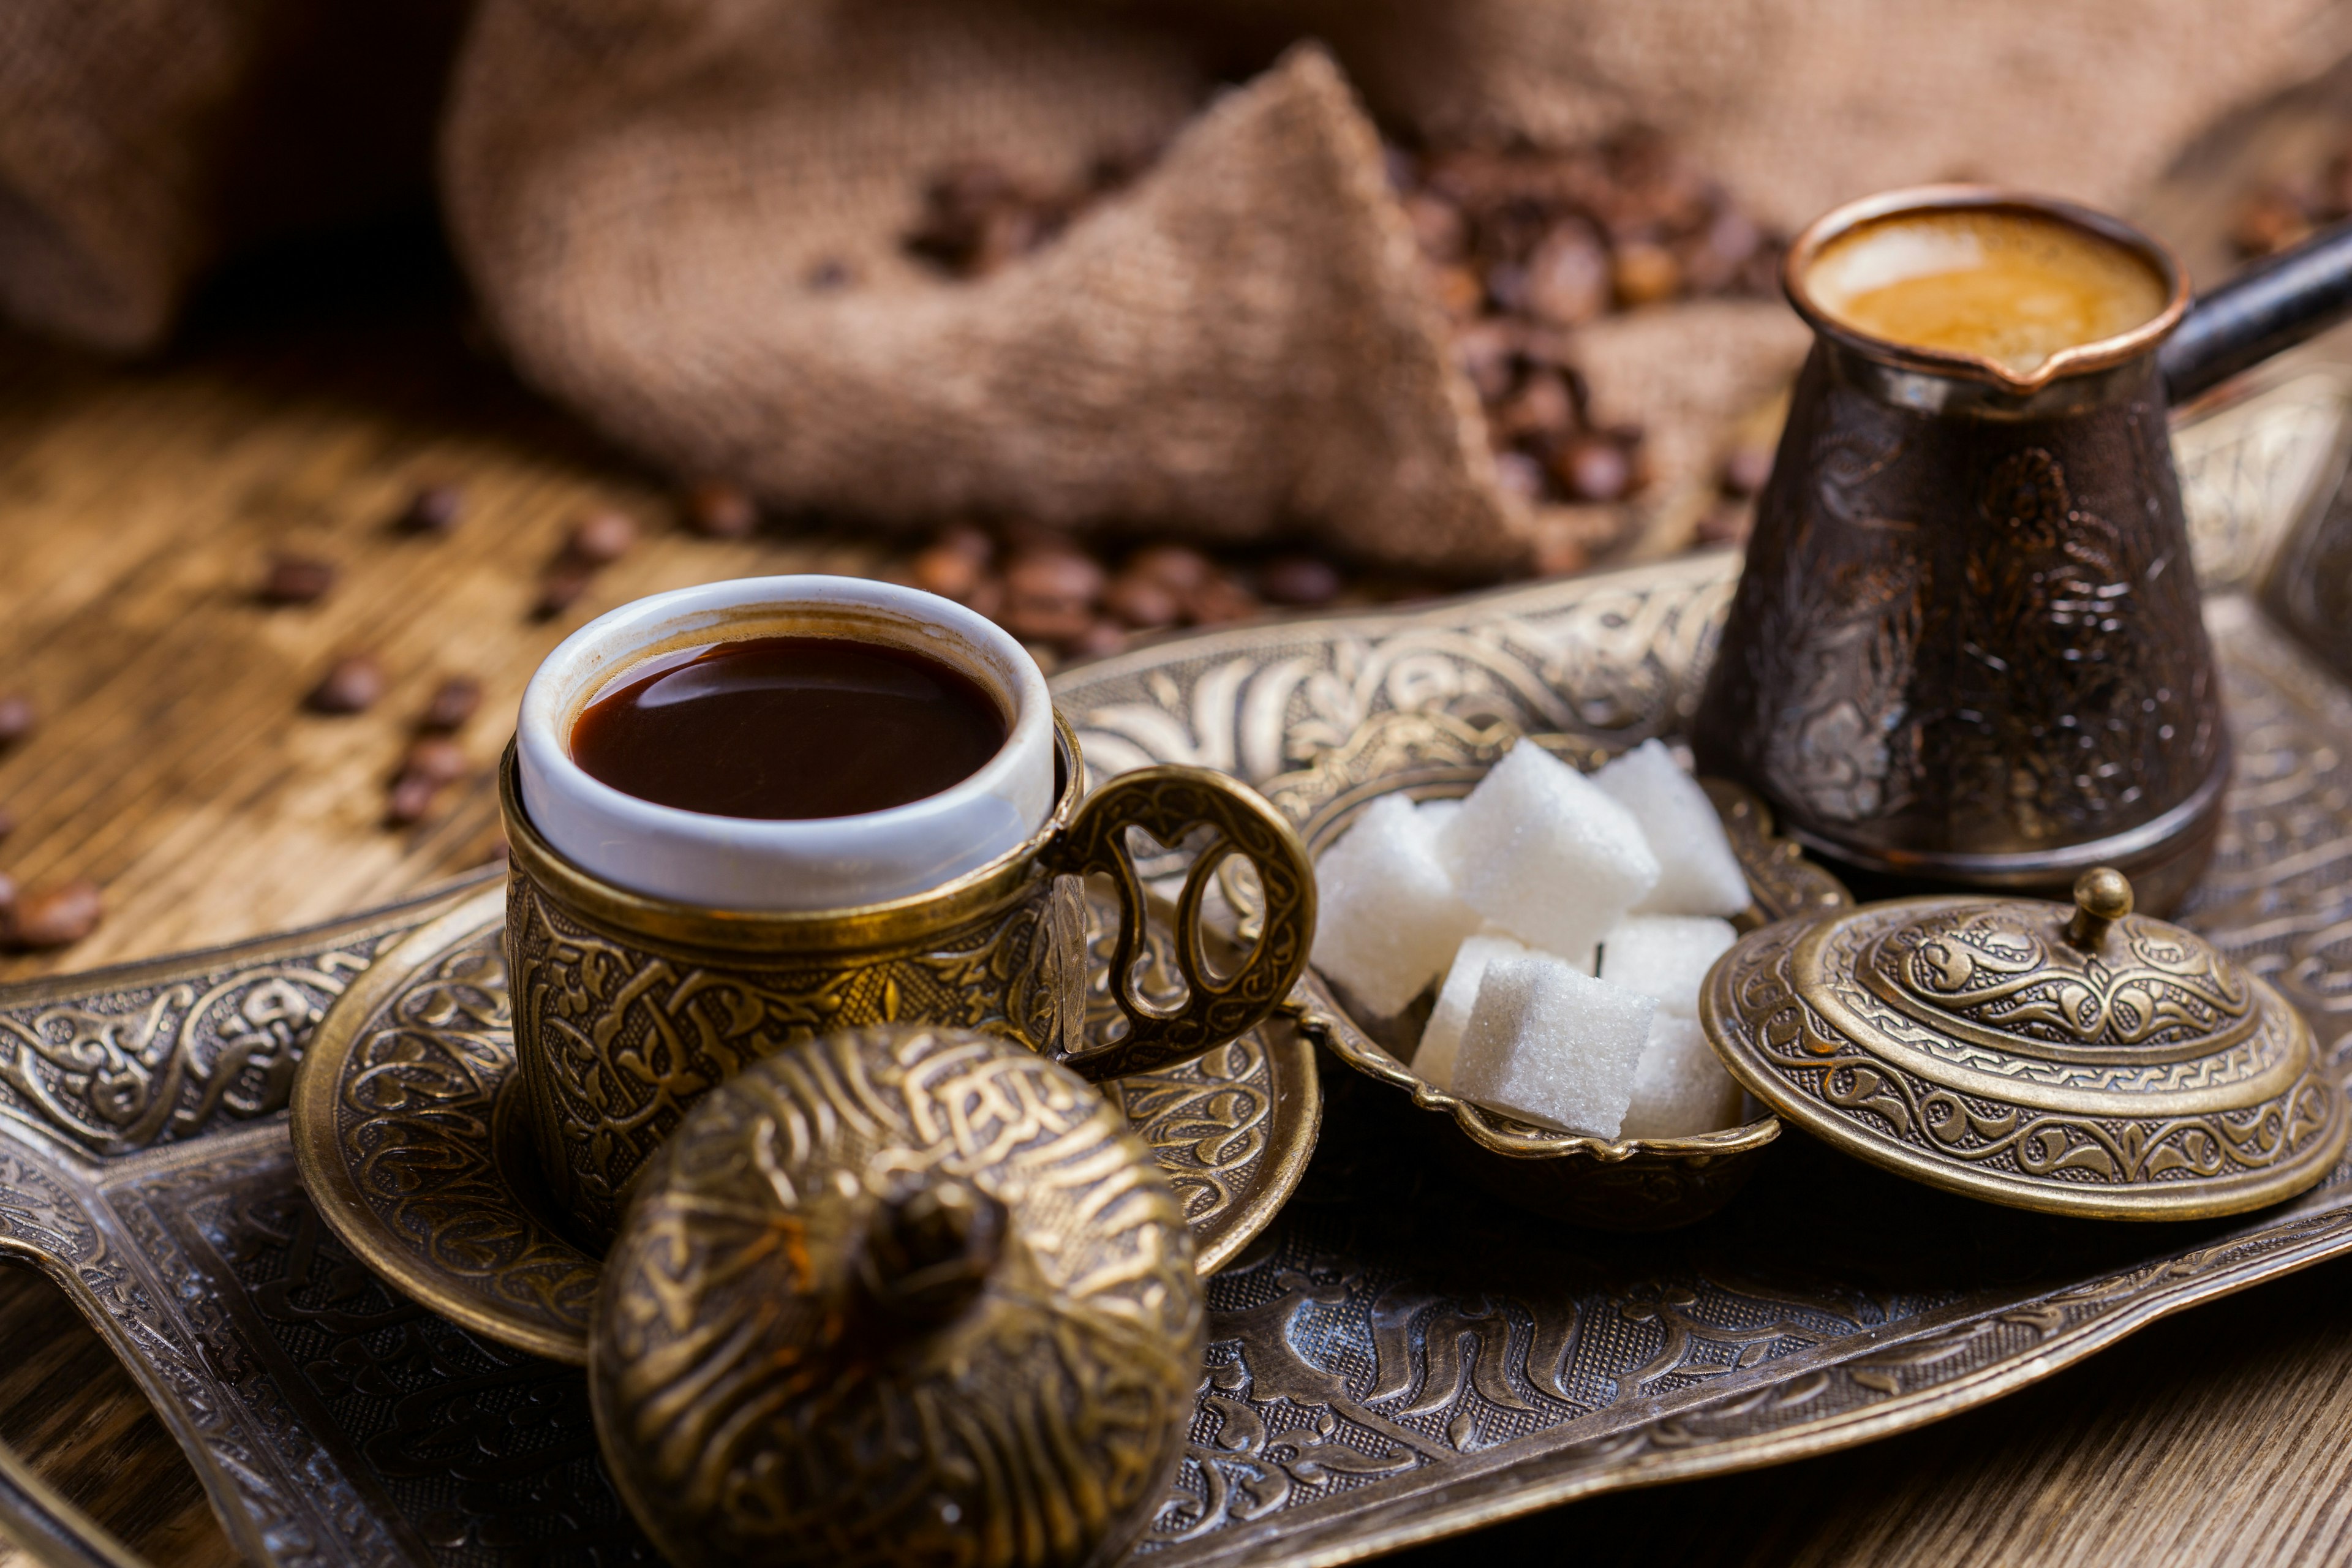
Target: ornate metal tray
1394,1357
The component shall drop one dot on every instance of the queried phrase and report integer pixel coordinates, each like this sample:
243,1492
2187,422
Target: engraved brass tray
407,1130
1395,1357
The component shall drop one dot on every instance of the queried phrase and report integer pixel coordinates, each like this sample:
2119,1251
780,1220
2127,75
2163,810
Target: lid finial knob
2102,895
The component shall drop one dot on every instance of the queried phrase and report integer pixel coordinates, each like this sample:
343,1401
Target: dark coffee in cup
784,728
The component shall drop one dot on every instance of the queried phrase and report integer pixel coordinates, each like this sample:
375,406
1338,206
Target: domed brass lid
897,1295
2082,1061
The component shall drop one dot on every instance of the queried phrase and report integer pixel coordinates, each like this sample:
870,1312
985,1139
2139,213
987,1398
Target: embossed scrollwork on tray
164,1061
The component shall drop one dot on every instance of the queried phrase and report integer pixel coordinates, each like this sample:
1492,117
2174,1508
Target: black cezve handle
2274,304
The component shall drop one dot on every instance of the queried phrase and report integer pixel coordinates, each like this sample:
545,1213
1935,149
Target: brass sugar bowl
2081,1060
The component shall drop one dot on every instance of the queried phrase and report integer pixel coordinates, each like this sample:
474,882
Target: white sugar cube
1436,815
1540,851
1440,1037
1551,1045
1388,921
1681,1088
1697,873
1665,956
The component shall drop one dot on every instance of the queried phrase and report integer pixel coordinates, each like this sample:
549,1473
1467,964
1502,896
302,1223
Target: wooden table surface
175,767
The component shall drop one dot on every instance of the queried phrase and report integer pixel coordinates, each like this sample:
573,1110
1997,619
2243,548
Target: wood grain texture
175,765
66,1402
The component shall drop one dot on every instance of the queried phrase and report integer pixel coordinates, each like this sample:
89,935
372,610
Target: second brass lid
2079,1060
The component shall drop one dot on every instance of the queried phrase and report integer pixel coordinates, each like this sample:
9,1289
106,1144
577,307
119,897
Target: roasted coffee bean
1541,409
717,510
601,538
1645,274
410,799
1715,259
1100,640
452,703
1176,568
947,571
1746,470
1557,554
436,757
1486,351
1438,224
1568,278
986,598
560,588
1141,602
1046,620
57,917
1062,575
296,580
1516,474
1218,601
352,685
1458,291
434,508
1301,580
1594,468
17,717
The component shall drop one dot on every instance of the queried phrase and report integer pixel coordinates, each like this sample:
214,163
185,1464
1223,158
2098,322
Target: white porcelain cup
739,863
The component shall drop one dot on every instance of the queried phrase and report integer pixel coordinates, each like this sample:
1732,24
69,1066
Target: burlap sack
647,193
140,140
1236,344
641,191
1798,105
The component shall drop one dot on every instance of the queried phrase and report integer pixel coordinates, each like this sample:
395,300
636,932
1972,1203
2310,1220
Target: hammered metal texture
406,1129
758,1404
1389,1362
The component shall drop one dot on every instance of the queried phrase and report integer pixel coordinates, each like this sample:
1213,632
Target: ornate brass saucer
407,1132
1622,1183
2084,1061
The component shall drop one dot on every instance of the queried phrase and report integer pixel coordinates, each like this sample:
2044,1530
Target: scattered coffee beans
1142,602
436,757
719,512
434,508
601,538
57,917
1746,470
560,588
452,703
352,685
409,800
296,580
1300,580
